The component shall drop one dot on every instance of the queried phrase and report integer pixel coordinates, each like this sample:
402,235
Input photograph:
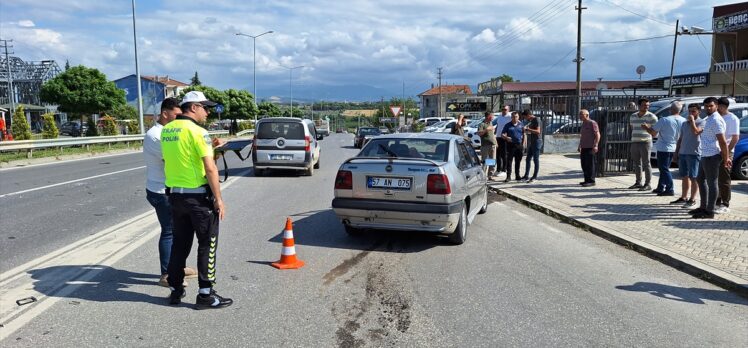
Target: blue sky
372,47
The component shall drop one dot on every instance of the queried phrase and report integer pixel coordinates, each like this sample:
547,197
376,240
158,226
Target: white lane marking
76,265
520,214
549,228
69,160
69,182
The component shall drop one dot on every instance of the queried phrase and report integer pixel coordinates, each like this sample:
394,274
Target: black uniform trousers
513,152
501,153
193,215
587,157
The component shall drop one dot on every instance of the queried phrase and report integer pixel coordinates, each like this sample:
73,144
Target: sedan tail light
438,184
344,180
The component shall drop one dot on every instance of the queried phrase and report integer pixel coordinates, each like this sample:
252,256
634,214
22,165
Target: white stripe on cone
287,234
288,251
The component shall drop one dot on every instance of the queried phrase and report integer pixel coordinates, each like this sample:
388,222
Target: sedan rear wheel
485,202
460,234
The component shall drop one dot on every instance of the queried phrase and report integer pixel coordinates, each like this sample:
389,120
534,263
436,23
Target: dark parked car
73,129
363,134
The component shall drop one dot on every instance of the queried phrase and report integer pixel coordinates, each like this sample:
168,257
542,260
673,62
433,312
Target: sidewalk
716,250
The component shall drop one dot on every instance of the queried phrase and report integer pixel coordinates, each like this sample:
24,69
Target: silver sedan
412,182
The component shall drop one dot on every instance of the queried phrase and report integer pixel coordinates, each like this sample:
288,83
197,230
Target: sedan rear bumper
389,215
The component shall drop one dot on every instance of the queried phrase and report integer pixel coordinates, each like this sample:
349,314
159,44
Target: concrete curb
677,261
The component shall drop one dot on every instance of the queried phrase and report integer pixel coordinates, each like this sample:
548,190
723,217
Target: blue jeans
665,183
533,153
163,211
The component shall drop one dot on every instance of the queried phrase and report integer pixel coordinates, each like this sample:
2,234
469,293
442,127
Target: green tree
49,130
67,64
109,125
269,109
124,112
195,81
92,131
296,112
82,91
240,105
21,129
212,94
506,78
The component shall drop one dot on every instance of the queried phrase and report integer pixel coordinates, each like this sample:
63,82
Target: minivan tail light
344,180
307,142
438,184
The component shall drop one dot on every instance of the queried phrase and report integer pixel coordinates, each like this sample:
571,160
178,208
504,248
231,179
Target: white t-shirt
713,125
732,123
154,161
500,121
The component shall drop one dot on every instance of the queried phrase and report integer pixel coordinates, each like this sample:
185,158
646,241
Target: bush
20,128
109,126
92,131
245,126
133,127
49,130
418,127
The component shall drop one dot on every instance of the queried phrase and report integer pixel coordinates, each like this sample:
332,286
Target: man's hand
216,142
645,126
594,149
219,207
728,163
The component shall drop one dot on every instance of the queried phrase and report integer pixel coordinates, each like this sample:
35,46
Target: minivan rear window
287,130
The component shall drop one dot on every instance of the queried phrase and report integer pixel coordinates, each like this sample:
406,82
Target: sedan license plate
389,183
281,157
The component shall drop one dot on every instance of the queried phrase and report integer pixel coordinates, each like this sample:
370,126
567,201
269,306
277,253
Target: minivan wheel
316,165
309,171
259,172
460,234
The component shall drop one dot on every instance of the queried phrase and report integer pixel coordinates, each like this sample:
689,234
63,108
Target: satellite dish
641,69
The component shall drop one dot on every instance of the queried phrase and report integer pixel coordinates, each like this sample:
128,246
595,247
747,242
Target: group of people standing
504,139
703,149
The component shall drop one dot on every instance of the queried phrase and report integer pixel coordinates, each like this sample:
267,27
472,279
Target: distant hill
307,94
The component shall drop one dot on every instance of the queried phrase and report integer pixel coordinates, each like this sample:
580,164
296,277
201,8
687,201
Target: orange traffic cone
288,258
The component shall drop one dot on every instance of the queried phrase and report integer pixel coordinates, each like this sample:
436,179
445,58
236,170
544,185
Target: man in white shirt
499,121
714,156
732,135
155,186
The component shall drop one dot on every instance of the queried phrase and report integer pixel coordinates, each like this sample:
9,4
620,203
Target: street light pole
137,72
700,31
672,62
254,64
290,87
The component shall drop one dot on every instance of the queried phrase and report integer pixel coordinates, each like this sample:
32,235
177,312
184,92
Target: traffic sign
395,110
219,108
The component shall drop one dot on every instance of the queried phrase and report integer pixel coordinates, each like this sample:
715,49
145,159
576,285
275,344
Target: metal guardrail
30,145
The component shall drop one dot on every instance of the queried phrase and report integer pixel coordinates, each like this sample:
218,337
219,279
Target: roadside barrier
288,258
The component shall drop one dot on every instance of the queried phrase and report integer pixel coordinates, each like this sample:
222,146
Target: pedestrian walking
534,141
499,122
195,197
155,187
641,144
514,136
487,144
714,155
588,141
688,155
667,130
732,134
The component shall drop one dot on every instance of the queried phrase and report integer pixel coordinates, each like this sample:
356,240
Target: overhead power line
629,40
638,14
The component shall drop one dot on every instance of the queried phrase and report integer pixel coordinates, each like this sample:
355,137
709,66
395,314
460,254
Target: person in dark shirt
590,137
533,131
513,135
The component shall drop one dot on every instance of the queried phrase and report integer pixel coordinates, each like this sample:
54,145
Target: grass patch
65,151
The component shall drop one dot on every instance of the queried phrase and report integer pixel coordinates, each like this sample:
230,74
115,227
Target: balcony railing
727,66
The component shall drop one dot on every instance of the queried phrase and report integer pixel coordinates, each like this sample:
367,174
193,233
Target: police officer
195,197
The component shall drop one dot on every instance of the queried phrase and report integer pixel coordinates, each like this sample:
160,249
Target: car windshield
369,131
273,130
474,123
432,149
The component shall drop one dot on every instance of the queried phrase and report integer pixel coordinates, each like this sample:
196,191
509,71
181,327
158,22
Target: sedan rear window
369,131
287,130
436,150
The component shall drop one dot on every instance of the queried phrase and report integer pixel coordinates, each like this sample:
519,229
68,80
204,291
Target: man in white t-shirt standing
714,157
155,186
732,134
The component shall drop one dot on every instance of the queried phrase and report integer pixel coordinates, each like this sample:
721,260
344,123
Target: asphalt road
521,279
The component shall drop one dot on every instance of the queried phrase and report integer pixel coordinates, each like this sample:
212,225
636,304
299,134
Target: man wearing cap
155,186
195,198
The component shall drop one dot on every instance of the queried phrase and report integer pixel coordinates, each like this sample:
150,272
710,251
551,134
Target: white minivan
285,143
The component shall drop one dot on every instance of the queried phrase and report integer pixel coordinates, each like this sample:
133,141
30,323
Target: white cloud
25,23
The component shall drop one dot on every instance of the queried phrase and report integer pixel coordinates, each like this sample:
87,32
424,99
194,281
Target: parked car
286,143
384,130
434,127
428,121
363,134
470,132
412,182
740,160
73,129
446,127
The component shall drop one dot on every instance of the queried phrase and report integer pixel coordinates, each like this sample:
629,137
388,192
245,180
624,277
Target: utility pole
579,58
11,94
672,62
137,73
439,96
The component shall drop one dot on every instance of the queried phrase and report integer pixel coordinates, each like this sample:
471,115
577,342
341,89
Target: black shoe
588,184
645,188
680,200
582,183
507,180
704,215
698,210
657,190
666,194
176,296
635,186
213,300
